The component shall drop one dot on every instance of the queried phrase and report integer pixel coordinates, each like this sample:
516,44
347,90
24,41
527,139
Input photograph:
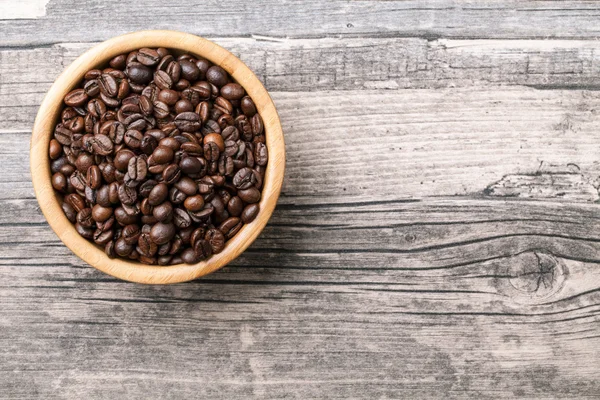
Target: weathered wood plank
414,143
348,64
68,20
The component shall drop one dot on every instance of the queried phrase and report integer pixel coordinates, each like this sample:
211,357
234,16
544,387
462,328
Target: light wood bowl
49,113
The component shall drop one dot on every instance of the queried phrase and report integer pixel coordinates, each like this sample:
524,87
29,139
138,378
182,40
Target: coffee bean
216,240
102,145
124,218
87,233
181,218
202,249
187,186
211,151
127,195
261,155
217,76
163,80
148,57
235,206
168,97
158,194
55,149
122,158
137,167
59,182
232,91
230,227
122,248
133,139
189,70
250,195
76,98
162,154
248,107
101,214
138,73
131,234
84,218
250,213
162,233
189,256
94,177
188,122
171,174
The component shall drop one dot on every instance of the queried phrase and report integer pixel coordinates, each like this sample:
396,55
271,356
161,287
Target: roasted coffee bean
189,256
163,212
188,122
171,174
158,194
162,233
108,85
211,152
189,70
124,218
250,213
244,178
261,155
148,144
232,91
168,97
87,233
122,158
230,227
119,62
63,135
192,165
217,76
163,80
176,196
137,167
202,249
122,248
55,149
148,57
162,154
187,186
181,218
250,195
146,187
84,218
235,206
131,234
109,249
59,182
216,240
101,214
70,212
194,203
248,107
133,139
76,98
127,195
76,201
103,196
94,177
102,145
138,73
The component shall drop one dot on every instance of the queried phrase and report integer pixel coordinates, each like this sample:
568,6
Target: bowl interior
49,113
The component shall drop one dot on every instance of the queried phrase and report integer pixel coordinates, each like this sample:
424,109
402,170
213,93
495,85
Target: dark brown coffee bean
211,152
101,214
131,234
250,213
108,85
181,218
148,57
145,105
76,98
63,135
189,256
163,212
235,206
91,88
137,168
59,182
146,246
102,145
248,107
183,105
146,187
84,218
230,227
122,159
163,80
171,174
70,212
119,62
217,76
216,240
139,73
244,178
163,154
188,122
122,248
158,194
148,144
75,201
189,70
261,155
232,91
87,233
55,149
162,233
133,139
103,196
113,192
191,165
168,97
127,195
202,249
109,249
187,186
94,177
194,203
124,218
250,195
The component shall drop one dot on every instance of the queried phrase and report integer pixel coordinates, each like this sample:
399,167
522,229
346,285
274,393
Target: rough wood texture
438,233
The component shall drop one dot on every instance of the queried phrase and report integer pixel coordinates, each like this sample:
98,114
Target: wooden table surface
437,236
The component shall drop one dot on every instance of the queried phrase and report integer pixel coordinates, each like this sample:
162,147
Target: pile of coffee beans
159,158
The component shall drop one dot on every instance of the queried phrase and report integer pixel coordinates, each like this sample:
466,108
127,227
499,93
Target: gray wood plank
69,20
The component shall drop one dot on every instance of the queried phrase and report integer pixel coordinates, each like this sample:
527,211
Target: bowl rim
49,112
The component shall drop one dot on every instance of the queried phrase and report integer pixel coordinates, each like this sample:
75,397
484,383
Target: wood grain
437,236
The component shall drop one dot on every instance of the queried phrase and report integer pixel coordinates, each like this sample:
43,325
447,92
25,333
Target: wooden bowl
49,113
